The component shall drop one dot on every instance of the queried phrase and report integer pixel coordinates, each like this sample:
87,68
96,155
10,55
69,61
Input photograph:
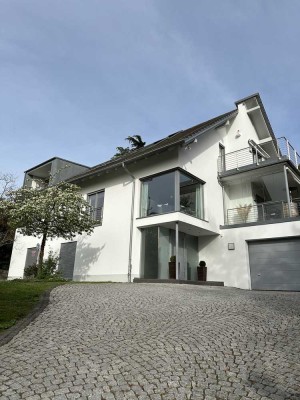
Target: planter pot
172,270
202,273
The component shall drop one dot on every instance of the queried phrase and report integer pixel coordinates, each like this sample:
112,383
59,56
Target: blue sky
78,76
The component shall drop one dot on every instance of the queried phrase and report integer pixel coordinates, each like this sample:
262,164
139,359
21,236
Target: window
191,196
172,191
222,158
96,201
158,194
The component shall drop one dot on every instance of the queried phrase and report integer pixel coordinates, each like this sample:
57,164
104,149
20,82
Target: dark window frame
94,210
177,188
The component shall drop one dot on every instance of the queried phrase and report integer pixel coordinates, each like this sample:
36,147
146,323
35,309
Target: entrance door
182,253
31,257
67,259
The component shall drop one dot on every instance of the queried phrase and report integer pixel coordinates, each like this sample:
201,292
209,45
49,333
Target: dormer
52,171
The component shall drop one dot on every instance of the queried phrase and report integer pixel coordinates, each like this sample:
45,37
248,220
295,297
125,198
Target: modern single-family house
226,191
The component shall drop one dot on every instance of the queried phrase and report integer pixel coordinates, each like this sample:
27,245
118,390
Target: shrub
49,267
30,271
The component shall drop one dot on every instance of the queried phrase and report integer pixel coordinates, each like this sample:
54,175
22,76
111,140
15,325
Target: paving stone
143,341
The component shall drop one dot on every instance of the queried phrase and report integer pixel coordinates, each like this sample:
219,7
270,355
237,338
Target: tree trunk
41,254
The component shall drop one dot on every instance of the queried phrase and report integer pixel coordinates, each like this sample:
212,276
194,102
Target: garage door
275,264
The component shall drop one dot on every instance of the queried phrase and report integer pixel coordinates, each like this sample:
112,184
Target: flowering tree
55,211
7,184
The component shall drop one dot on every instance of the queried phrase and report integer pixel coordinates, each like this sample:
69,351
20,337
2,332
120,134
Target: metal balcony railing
269,211
255,154
284,148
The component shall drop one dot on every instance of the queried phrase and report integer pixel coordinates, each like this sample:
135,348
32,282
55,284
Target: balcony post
296,158
287,190
256,155
177,249
277,148
288,149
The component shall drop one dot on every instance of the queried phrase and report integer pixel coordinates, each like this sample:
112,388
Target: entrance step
178,281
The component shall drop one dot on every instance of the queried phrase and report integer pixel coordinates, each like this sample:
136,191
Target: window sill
171,212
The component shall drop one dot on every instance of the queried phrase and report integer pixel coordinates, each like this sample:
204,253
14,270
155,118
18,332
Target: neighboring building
225,191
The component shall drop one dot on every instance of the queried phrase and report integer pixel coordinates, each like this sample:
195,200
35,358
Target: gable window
171,191
96,201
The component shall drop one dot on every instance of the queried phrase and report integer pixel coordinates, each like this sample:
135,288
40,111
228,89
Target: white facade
116,248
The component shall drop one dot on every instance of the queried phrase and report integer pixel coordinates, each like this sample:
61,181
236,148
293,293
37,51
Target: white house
225,191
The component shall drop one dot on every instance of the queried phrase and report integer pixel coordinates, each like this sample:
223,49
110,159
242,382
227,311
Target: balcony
258,154
264,212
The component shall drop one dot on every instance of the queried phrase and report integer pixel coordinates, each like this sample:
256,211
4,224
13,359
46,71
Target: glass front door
158,246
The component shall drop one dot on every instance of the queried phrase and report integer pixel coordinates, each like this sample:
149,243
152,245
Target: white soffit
257,119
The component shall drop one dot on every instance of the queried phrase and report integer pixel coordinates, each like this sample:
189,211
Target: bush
48,270
30,271
49,267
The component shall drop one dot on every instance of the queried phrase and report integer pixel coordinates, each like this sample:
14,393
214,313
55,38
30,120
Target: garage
275,264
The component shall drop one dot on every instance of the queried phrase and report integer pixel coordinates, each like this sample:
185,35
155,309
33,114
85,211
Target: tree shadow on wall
86,256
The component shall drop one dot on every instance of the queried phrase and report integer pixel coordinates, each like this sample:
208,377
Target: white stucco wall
232,266
104,254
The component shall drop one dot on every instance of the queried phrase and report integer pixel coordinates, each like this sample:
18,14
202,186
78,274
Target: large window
191,196
172,191
96,201
158,194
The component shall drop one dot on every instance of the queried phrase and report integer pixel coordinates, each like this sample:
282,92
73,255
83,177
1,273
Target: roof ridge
160,145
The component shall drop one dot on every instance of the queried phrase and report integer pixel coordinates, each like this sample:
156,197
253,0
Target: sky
79,76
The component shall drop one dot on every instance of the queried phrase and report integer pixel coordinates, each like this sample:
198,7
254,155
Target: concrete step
178,281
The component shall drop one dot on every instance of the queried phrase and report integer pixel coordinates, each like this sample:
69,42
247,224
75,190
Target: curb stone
11,332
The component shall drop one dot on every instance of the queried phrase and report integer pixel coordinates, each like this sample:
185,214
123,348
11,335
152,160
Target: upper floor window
191,196
158,194
96,201
172,191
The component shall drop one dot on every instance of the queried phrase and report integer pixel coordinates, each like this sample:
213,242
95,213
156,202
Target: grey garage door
275,264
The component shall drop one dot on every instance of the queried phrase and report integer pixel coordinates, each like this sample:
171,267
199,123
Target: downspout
224,205
131,221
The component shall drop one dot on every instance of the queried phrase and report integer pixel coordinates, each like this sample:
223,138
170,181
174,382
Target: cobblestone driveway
157,341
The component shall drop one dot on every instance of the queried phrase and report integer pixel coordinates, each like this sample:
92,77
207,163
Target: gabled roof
263,111
164,144
182,137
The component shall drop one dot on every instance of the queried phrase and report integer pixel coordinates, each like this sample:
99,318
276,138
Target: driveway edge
20,325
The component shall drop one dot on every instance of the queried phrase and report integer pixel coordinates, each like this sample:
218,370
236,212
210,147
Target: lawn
18,298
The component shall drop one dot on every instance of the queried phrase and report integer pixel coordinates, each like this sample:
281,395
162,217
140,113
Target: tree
55,211
121,151
7,185
136,142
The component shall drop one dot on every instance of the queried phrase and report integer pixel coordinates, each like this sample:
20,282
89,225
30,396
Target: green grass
18,298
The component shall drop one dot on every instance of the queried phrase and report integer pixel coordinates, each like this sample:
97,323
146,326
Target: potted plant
243,212
172,267
202,271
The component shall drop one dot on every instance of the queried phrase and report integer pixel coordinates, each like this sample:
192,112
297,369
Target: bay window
172,191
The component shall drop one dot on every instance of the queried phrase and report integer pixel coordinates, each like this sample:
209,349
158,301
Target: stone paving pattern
158,342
